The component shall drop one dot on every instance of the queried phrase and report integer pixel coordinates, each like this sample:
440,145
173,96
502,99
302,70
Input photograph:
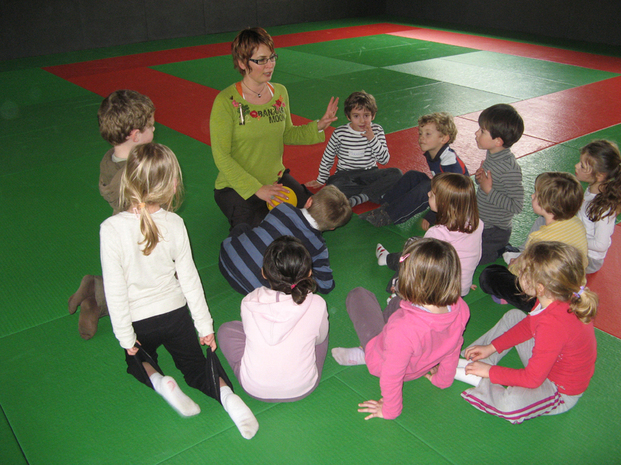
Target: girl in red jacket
555,341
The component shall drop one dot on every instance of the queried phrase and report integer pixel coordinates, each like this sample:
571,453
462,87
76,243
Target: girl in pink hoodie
418,334
278,349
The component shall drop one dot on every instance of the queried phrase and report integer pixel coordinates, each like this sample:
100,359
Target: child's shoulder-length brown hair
456,202
430,273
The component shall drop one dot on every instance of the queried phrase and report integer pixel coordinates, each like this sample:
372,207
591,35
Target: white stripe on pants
514,403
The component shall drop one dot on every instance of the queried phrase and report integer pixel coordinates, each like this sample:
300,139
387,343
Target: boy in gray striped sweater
500,195
359,146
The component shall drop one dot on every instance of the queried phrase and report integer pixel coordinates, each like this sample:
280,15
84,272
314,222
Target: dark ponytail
287,266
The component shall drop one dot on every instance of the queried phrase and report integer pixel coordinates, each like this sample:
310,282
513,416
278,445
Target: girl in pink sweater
555,341
453,198
418,334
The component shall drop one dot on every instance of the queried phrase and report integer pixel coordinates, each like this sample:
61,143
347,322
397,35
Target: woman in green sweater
250,123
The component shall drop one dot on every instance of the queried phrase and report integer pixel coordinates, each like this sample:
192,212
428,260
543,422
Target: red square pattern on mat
549,119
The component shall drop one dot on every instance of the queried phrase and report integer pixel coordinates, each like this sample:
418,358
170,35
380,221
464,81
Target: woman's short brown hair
245,44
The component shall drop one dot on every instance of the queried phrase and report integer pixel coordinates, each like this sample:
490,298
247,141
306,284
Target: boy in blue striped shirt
241,254
409,196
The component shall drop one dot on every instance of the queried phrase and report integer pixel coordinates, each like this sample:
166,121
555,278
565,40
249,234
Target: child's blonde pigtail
152,178
559,268
583,304
149,230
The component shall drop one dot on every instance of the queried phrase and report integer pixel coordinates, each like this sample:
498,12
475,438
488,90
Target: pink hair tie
293,285
404,258
579,293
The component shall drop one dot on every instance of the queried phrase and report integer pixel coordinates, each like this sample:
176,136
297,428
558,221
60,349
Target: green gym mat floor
69,401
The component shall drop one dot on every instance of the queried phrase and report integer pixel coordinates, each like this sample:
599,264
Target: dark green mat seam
396,421
13,433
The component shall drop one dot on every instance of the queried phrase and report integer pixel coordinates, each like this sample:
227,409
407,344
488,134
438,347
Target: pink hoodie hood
274,313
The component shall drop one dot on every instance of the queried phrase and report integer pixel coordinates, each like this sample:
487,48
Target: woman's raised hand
330,115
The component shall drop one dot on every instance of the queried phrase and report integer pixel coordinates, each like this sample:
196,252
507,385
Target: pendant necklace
258,94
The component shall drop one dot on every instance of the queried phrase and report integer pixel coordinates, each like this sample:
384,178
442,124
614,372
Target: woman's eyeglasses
263,61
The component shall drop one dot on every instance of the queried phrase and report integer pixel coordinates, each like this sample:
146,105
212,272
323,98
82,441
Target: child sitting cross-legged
453,198
600,167
501,193
359,146
408,196
555,341
278,349
557,199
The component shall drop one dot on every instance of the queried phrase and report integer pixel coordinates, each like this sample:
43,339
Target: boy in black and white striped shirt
359,146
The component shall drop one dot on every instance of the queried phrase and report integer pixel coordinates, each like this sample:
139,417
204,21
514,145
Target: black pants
175,331
499,281
252,210
373,182
494,240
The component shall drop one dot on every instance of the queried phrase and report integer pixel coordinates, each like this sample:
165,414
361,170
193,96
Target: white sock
351,356
460,374
381,253
168,388
239,412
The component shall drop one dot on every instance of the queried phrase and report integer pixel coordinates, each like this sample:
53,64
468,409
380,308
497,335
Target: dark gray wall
597,21
42,27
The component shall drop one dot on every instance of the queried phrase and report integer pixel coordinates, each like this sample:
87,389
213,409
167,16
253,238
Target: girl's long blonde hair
559,268
456,202
152,176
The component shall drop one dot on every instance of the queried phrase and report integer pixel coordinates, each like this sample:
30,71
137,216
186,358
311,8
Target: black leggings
499,281
175,331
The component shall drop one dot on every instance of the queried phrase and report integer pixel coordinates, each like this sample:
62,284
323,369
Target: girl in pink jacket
418,334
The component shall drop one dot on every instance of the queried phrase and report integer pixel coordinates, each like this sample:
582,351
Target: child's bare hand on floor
374,407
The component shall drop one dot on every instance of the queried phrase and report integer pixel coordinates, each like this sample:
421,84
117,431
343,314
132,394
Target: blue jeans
408,197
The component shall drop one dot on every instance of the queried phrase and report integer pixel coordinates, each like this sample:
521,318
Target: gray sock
358,199
349,356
